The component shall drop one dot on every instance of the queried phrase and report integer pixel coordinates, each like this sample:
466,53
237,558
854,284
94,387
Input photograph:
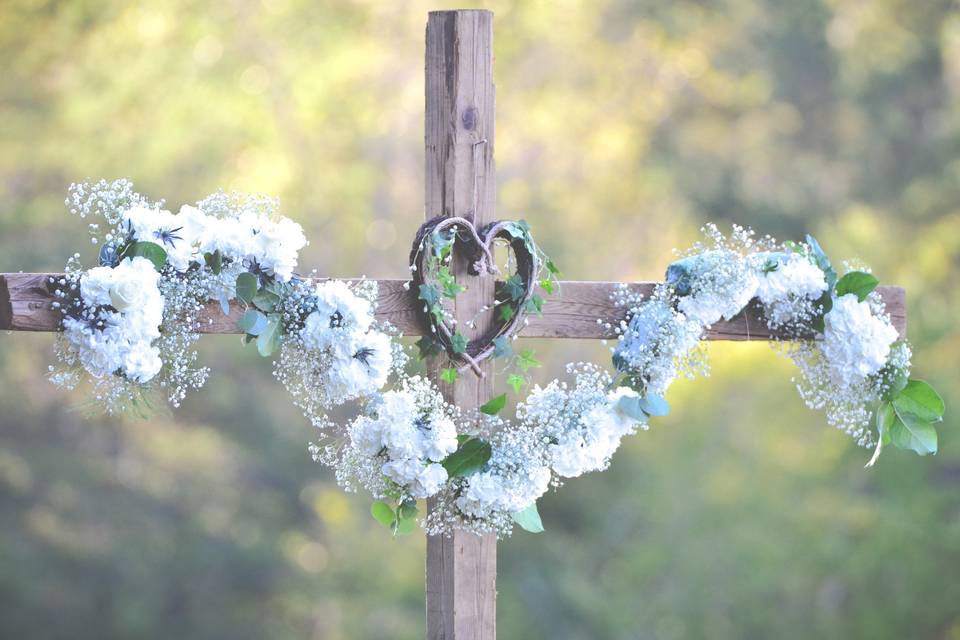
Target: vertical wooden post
460,181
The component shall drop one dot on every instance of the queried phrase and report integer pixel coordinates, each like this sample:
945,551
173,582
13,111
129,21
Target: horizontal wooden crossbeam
571,313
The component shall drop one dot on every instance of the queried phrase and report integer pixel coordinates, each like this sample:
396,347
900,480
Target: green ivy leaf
269,339
547,285
506,312
429,346
525,360
552,268
529,519
468,458
501,347
246,287
516,381
513,287
858,283
149,250
449,375
252,322
382,513
495,405
534,304
458,343
429,294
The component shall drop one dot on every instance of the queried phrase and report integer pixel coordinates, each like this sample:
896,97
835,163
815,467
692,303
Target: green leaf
224,303
382,513
468,458
404,527
909,432
654,405
269,339
858,283
501,347
214,261
252,322
513,287
149,250
407,510
547,285
458,343
449,375
630,407
429,346
516,381
506,312
246,286
921,400
525,360
265,300
429,294
552,268
821,260
529,519
495,405
534,304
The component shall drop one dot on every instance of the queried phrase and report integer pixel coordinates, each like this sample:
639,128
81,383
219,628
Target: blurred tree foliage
622,126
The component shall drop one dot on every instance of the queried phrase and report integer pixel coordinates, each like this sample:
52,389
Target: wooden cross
461,569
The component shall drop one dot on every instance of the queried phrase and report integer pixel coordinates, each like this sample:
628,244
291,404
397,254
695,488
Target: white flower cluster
404,435
117,321
334,350
840,364
136,316
249,237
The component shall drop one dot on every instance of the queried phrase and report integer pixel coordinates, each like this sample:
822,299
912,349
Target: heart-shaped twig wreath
129,326
433,249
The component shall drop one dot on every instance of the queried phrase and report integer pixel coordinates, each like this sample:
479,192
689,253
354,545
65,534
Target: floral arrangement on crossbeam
130,326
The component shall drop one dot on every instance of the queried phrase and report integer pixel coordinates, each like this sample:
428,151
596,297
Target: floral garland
131,323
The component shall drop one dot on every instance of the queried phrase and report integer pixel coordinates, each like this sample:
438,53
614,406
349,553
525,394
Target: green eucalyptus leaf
654,405
529,519
404,527
407,510
821,260
468,458
246,286
252,322
224,303
269,339
265,300
382,513
858,283
494,405
630,407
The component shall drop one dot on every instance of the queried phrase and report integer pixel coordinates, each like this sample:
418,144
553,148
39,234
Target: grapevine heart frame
130,324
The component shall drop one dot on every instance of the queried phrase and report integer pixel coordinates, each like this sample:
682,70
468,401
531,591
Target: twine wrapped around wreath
478,247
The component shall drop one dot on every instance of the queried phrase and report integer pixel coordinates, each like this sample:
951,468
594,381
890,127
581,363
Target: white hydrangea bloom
493,490
721,284
339,314
785,275
277,246
361,365
856,343
408,438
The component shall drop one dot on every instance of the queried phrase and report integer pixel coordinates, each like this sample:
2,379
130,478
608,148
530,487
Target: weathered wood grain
460,181
572,313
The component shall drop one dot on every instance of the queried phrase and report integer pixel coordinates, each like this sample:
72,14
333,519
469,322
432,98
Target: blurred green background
621,128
